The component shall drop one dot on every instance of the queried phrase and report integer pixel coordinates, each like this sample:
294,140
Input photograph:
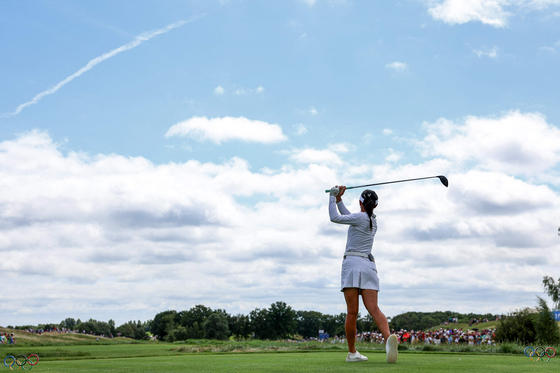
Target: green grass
263,356
328,361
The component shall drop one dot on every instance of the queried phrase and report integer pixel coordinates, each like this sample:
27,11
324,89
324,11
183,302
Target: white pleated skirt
358,272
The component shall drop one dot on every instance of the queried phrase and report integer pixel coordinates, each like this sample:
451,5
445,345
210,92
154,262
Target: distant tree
282,320
140,332
259,324
198,313
426,322
367,323
69,323
159,325
360,326
127,329
111,323
334,325
178,334
553,290
519,326
240,326
195,332
216,327
147,325
169,321
230,318
94,327
545,325
309,323
340,330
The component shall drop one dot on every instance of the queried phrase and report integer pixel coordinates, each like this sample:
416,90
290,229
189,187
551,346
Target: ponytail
369,206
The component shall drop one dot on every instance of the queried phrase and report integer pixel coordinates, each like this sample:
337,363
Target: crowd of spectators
8,339
441,336
50,330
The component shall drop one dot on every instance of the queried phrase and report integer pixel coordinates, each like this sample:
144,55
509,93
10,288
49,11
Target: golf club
441,178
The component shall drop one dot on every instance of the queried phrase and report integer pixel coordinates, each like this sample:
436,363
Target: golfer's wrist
338,199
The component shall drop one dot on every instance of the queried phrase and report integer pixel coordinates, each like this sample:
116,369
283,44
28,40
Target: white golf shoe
356,356
392,348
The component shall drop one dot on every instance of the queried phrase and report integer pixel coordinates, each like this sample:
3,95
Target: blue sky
190,142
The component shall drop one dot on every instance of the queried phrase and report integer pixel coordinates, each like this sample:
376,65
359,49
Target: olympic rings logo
540,353
21,361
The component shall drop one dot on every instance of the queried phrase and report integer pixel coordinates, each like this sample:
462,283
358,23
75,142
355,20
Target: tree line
281,321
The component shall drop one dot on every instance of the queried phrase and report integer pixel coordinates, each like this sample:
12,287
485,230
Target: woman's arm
341,207
346,217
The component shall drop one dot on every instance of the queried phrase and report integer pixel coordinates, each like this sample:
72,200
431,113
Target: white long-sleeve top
360,237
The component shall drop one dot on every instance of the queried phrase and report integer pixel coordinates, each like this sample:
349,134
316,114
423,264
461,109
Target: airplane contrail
145,36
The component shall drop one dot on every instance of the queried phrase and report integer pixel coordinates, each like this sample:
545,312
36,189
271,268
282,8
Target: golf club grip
328,190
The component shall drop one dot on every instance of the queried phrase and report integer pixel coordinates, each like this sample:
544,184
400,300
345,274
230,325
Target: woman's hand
341,190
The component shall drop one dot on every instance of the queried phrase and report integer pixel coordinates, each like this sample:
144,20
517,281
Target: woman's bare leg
369,298
352,297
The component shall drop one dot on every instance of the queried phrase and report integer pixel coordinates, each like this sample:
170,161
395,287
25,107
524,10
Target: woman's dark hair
369,206
369,200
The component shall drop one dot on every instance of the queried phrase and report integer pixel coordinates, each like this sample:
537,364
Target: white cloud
314,156
300,129
309,2
342,147
548,49
329,156
397,66
387,132
393,156
312,110
128,238
241,91
490,12
145,36
493,53
515,143
219,90
367,138
224,129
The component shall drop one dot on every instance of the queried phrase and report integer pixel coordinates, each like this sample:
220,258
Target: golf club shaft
389,182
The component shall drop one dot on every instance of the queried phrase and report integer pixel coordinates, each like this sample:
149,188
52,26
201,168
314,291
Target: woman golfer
359,273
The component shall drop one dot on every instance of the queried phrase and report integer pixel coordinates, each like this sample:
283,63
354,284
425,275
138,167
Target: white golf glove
334,191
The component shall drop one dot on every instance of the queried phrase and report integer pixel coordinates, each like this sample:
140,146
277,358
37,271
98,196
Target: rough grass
52,338
27,342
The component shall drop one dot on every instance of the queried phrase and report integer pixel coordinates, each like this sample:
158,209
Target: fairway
302,362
